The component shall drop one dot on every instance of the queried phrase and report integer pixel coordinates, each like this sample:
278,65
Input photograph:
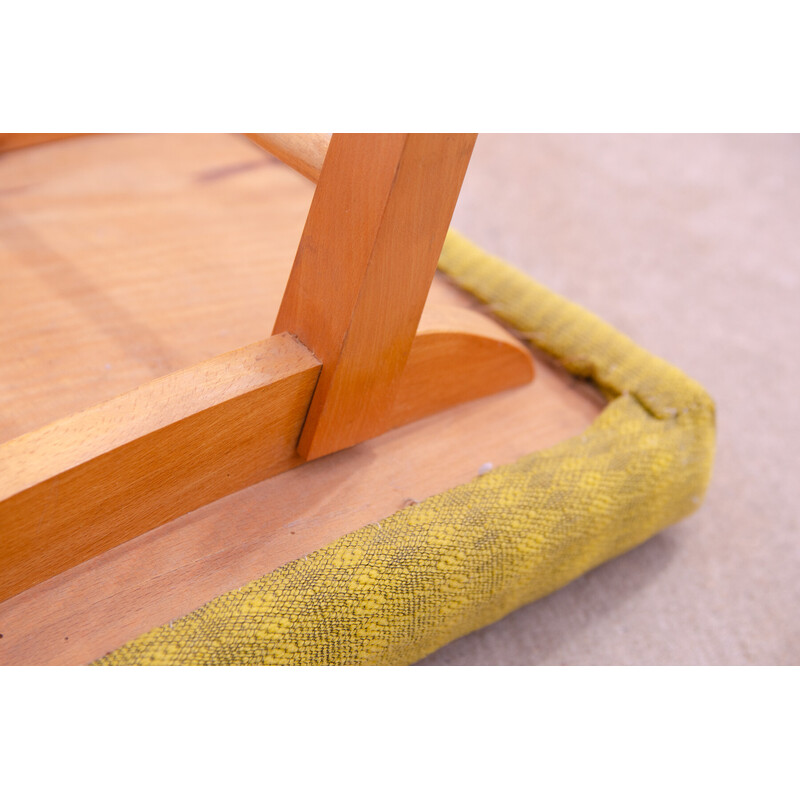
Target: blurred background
690,245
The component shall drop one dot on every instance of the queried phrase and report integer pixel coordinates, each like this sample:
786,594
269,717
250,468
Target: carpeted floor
690,244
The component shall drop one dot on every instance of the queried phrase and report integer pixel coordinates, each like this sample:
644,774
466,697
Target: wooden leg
363,270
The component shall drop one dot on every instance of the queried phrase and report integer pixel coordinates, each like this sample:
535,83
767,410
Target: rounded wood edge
303,152
458,355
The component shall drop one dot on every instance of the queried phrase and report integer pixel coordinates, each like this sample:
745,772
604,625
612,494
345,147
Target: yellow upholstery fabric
394,591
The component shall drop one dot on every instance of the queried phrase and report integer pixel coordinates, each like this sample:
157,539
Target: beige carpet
690,244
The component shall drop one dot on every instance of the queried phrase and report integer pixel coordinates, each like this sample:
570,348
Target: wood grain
83,613
170,250
191,437
362,273
303,152
48,488
86,483
124,258
458,355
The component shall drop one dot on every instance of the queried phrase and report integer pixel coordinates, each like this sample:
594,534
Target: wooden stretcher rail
16,141
86,483
303,152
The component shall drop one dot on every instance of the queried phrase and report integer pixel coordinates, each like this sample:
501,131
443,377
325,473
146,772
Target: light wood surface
172,250
363,271
303,152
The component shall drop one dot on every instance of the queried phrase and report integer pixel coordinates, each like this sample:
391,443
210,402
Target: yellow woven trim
392,592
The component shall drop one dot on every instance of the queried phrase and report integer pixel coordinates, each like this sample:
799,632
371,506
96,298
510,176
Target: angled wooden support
363,271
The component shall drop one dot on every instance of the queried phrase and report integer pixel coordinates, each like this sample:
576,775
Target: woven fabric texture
394,591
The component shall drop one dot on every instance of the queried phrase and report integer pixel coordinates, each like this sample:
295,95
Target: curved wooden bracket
458,355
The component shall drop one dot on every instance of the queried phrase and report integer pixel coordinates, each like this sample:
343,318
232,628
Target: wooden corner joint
351,356
362,273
